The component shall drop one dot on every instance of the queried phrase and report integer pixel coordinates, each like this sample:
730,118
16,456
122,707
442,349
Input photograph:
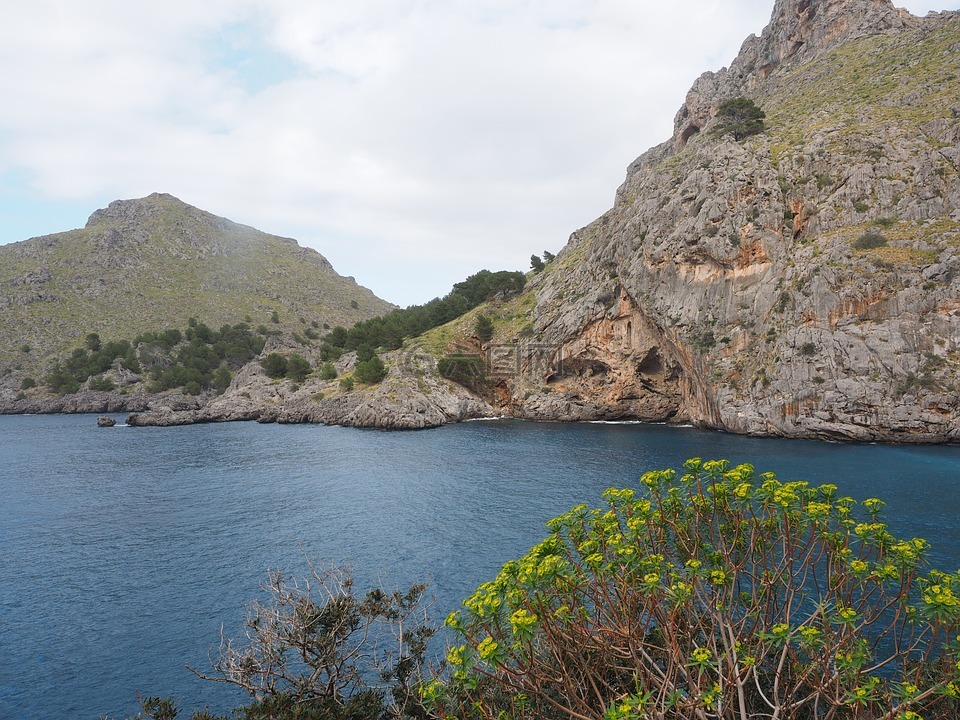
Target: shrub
704,340
27,383
370,371
484,328
221,380
740,117
869,240
808,349
346,384
102,384
274,365
328,371
315,650
713,594
298,368
464,369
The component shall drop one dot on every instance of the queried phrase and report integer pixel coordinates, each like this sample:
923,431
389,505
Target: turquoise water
124,550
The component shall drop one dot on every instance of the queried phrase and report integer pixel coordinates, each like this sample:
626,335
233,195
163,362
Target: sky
411,142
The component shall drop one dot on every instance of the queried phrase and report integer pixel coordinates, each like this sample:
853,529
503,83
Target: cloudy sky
412,142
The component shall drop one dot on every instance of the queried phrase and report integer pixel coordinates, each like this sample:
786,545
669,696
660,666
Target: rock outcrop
411,397
802,282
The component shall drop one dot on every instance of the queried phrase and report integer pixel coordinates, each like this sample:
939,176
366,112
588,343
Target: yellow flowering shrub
714,593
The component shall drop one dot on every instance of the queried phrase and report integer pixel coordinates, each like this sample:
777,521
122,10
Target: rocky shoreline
414,397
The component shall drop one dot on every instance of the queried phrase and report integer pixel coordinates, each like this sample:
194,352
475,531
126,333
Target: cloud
412,142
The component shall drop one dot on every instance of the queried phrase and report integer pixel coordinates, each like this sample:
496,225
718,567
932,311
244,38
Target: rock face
83,402
803,282
411,397
799,31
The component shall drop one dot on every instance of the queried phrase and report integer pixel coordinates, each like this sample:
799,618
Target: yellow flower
487,648
593,560
457,655
859,566
718,577
522,620
780,631
701,655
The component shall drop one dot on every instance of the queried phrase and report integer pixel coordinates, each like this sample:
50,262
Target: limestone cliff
803,282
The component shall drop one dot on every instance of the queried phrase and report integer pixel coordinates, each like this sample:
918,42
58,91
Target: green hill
150,264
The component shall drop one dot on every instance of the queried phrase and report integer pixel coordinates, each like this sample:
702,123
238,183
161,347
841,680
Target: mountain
150,264
804,281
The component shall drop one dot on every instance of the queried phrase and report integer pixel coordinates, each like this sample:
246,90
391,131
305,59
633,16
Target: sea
124,552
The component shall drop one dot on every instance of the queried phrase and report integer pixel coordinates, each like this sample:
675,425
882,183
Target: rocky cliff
802,282
411,397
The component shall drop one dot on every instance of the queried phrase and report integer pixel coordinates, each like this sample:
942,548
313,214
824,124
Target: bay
124,550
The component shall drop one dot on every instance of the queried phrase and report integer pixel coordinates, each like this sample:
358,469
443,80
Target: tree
274,365
740,117
317,651
713,594
93,342
548,256
364,353
483,328
328,371
536,264
370,371
468,370
221,379
298,368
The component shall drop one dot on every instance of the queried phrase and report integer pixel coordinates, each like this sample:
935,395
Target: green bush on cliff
370,371
467,370
298,367
740,117
328,371
274,365
483,328
196,360
67,376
